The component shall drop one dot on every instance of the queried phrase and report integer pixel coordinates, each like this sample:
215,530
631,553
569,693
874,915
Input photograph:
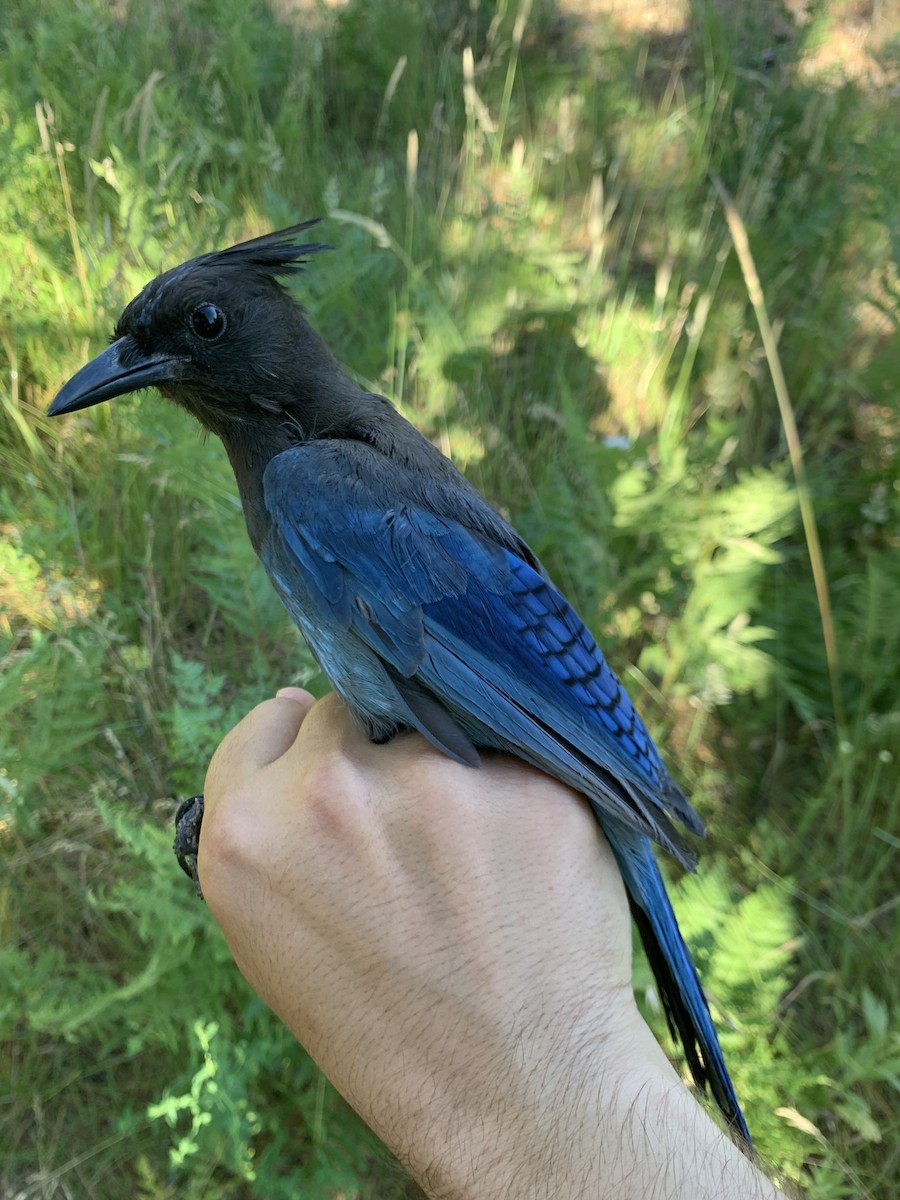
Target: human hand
453,948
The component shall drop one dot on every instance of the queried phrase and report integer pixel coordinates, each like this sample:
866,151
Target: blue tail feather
676,977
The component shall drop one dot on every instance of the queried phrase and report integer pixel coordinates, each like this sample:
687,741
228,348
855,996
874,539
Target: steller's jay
424,608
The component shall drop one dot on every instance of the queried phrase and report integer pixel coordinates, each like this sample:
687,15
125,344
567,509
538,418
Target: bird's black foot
187,837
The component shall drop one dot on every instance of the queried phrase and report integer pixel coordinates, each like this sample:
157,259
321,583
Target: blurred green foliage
530,257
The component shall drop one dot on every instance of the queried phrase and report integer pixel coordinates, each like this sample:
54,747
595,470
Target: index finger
263,736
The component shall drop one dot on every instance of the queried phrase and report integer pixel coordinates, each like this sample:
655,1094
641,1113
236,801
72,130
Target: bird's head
219,334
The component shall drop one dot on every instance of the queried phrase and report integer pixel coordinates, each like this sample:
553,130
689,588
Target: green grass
544,279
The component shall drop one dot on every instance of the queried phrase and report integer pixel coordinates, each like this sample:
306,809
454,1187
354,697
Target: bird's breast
355,671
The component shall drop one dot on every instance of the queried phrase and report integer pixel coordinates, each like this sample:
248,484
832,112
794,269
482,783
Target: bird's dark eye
208,322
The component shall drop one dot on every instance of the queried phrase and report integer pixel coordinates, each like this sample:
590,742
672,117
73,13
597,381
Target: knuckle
334,798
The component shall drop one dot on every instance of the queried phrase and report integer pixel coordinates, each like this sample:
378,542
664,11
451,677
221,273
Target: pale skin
453,948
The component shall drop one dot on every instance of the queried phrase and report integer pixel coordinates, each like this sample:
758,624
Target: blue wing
458,616
426,609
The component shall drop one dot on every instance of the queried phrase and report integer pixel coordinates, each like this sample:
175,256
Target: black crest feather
272,254
276,253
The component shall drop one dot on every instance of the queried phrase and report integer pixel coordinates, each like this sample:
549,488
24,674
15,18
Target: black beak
121,368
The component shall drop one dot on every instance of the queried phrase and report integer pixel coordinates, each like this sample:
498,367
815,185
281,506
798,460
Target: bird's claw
187,837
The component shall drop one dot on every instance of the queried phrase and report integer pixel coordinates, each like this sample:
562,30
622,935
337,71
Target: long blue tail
676,977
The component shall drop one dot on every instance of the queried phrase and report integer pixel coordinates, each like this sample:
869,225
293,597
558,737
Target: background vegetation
532,257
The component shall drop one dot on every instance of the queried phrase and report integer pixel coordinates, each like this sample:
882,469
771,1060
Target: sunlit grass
531,258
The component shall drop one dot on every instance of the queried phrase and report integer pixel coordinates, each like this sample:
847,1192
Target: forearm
574,1125
659,1144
